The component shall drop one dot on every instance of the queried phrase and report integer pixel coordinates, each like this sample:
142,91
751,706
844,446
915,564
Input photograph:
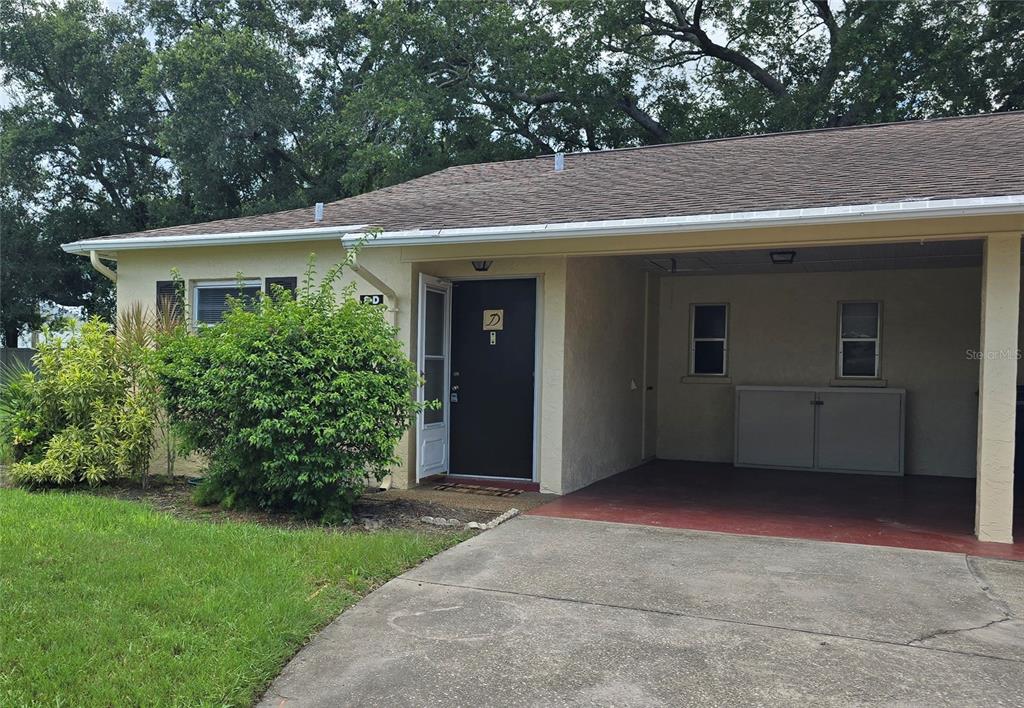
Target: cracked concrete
544,611
1003,584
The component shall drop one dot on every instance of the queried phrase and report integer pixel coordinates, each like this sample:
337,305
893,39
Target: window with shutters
289,283
169,298
210,298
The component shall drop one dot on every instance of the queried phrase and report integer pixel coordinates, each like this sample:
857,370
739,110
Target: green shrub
295,402
86,415
14,388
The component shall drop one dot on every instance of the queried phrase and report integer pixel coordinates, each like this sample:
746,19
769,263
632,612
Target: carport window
210,299
859,339
709,326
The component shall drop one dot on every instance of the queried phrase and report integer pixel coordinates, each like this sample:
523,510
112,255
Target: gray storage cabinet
823,429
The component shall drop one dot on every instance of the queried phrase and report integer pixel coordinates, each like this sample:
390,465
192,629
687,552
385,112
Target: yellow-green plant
138,332
86,414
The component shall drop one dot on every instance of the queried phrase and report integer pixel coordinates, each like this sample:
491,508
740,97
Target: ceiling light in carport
782,257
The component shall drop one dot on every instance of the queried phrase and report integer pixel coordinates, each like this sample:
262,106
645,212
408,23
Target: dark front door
493,344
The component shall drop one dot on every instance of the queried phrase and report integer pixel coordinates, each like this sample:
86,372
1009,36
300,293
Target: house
840,300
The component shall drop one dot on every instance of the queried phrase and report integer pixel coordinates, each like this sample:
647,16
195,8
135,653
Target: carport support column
997,390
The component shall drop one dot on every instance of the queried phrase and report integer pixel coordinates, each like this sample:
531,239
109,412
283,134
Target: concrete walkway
545,611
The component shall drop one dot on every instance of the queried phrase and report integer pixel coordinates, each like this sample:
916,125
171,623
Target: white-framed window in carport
210,298
860,339
709,339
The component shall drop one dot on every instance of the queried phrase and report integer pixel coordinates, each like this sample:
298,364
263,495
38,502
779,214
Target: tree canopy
176,111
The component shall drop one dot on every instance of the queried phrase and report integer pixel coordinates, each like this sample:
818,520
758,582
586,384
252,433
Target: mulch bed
374,511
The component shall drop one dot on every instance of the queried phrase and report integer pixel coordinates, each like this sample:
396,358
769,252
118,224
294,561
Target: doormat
477,489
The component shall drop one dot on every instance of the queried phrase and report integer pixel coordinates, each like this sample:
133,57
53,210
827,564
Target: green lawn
109,603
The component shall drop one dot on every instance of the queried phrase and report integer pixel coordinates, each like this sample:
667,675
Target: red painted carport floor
928,513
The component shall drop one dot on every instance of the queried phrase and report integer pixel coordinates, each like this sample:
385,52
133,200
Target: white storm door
433,359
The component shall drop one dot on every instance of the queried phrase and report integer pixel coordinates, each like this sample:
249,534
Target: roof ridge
956,157
701,141
756,136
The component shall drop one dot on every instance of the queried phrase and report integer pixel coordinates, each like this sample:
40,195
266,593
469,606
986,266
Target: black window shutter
289,283
168,299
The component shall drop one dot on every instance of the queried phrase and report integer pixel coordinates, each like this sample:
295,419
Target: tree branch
689,30
655,129
521,126
825,13
829,72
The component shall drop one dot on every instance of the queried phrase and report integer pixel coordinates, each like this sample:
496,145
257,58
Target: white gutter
103,270
321,233
887,211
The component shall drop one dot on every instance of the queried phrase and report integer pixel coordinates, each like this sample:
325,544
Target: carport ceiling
884,256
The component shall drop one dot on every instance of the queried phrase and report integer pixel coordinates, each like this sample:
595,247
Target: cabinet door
860,431
775,428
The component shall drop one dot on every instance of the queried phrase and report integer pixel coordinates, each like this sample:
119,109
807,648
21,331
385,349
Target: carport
822,392
914,511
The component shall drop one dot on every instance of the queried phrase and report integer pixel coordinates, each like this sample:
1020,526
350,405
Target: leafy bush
87,415
294,401
13,391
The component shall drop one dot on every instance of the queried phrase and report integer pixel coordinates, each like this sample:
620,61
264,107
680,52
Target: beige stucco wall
782,331
604,369
652,321
931,312
138,272
1000,315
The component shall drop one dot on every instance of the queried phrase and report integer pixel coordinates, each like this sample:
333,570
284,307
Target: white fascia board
107,245
886,211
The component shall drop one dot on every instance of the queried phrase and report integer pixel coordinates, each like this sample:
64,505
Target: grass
106,602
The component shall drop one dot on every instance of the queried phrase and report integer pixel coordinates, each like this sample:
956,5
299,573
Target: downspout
100,268
386,290
392,303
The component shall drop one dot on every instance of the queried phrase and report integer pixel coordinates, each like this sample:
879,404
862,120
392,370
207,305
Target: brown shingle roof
979,156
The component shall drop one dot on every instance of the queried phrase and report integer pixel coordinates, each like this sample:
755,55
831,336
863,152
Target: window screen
211,301
859,335
708,340
434,354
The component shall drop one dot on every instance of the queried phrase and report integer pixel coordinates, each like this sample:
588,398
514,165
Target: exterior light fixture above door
482,266
782,257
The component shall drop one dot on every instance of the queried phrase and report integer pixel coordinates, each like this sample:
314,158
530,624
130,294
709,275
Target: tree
76,147
34,271
176,111
232,153
546,75
1003,36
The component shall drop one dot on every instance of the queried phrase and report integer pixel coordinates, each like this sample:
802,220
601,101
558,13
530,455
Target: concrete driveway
545,611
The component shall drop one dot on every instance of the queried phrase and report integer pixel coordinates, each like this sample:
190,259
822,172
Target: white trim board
105,245
882,211
886,211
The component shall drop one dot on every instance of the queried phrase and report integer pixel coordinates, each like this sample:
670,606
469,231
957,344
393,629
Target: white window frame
693,339
877,339
198,285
